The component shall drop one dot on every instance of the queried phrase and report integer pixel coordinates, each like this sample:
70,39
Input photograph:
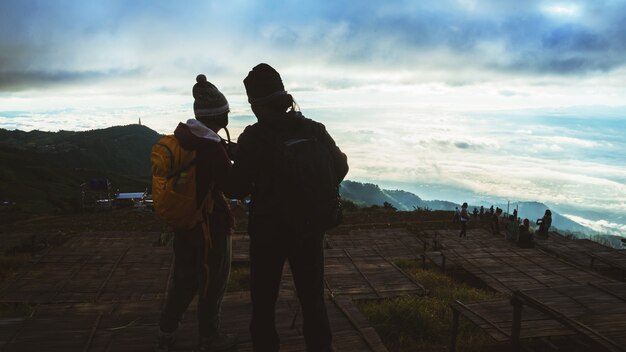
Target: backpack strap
181,169
206,236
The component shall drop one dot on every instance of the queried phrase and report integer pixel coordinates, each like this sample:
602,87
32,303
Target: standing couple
202,251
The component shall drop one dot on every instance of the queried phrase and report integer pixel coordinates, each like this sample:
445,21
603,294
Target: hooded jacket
212,167
253,173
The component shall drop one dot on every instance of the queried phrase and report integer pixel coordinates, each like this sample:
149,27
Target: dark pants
189,279
306,260
463,229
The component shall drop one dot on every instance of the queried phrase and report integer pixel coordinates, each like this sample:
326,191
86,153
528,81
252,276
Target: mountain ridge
368,194
43,171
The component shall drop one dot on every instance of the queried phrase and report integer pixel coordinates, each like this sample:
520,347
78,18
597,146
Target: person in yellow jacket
202,268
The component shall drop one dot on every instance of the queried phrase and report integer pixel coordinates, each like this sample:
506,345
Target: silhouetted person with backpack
292,168
202,242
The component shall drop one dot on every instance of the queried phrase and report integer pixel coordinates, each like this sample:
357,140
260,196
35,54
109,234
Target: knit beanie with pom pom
209,101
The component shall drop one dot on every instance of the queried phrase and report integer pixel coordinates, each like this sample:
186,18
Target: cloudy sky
461,100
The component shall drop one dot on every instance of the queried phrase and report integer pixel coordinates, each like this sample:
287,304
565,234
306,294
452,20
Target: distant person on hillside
544,224
512,229
482,211
282,208
525,235
202,253
457,215
495,222
491,211
475,213
464,218
515,213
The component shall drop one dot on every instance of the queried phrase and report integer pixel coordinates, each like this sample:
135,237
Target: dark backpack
305,186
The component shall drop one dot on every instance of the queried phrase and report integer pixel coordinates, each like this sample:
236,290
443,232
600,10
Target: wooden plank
586,309
506,268
495,317
366,275
132,326
112,267
391,243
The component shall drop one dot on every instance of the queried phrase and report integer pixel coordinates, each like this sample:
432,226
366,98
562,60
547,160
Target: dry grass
425,323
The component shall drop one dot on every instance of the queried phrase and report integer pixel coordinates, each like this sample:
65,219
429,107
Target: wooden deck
615,259
597,312
241,248
504,267
132,326
95,268
367,274
104,291
392,244
496,319
585,253
559,297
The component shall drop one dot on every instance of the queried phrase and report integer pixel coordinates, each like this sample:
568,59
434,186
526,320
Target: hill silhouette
367,194
42,171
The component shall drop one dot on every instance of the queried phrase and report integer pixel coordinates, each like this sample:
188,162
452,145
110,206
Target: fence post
443,262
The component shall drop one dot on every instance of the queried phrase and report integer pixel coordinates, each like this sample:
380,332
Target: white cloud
563,10
474,94
601,226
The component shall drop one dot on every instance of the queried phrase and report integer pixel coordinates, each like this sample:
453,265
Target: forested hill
119,149
366,194
42,171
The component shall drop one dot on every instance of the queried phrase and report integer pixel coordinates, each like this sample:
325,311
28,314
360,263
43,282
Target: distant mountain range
367,194
42,172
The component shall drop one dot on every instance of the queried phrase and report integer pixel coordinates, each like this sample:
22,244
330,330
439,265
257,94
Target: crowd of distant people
515,229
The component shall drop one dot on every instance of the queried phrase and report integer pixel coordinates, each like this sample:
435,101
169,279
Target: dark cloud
535,40
18,80
54,41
